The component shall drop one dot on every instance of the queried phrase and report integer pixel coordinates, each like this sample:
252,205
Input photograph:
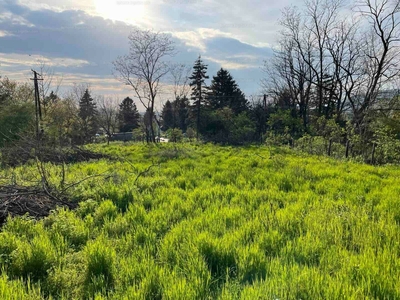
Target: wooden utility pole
38,109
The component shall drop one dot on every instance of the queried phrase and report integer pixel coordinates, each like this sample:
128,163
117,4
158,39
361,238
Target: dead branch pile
13,156
18,200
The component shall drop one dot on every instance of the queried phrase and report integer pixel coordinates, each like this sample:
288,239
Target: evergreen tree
181,106
88,116
224,92
128,115
50,99
175,114
168,116
198,89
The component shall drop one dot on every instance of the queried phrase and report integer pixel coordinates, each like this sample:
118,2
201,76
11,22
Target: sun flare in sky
130,11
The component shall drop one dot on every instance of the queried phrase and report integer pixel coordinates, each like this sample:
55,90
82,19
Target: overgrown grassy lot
210,222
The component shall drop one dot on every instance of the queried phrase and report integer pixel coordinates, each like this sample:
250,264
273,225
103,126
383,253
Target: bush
175,135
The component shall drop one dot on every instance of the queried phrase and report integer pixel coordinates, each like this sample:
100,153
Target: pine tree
168,116
198,90
181,106
224,92
88,116
128,115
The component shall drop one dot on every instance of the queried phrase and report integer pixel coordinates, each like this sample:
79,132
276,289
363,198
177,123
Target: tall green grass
210,222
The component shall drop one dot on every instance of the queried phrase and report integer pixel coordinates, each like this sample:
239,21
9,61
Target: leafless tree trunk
344,48
180,74
380,53
50,82
108,115
145,66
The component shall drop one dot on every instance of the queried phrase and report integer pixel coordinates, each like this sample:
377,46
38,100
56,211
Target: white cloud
60,5
229,64
4,33
11,59
249,21
14,19
196,38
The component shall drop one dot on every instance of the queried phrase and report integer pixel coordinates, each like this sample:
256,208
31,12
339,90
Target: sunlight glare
131,11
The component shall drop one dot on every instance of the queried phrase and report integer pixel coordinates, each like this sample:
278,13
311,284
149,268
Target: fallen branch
144,172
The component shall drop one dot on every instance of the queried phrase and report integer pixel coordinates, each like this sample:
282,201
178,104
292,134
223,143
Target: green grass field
210,222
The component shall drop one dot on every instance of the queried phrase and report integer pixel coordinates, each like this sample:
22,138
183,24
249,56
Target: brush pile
18,200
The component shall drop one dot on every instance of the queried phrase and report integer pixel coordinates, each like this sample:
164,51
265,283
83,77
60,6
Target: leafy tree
60,122
198,90
4,93
284,123
175,135
17,111
128,115
190,133
50,99
88,117
223,126
11,90
224,92
15,119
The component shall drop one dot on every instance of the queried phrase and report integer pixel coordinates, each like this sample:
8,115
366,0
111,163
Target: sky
79,39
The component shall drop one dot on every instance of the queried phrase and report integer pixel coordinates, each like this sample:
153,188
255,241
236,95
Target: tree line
330,87
76,119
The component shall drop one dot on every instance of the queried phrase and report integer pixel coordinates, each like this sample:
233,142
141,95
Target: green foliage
15,120
34,259
387,141
190,133
284,123
223,126
329,129
167,115
175,135
128,115
199,91
224,92
99,272
88,125
60,122
16,290
210,222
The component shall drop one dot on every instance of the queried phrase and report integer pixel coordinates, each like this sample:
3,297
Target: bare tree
108,115
344,46
145,66
321,20
380,53
50,82
78,90
291,71
180,74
